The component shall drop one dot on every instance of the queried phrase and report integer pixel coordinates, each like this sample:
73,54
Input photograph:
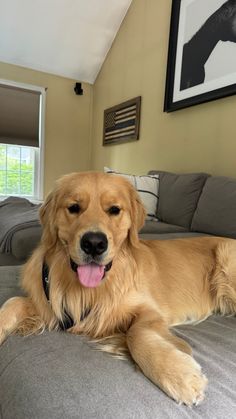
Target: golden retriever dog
91,269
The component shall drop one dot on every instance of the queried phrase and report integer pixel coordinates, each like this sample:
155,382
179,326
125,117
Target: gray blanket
15,214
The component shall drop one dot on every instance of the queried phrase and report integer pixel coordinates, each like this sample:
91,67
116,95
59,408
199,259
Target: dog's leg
179,343
223,282
173,370
13,313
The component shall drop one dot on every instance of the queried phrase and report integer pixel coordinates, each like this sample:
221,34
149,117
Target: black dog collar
68,321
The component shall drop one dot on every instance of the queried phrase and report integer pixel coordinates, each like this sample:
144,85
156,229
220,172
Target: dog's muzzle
91,269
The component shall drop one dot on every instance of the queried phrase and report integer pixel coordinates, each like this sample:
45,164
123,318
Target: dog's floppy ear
47,215
138,215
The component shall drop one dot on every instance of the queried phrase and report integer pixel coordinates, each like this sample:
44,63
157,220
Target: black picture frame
170,104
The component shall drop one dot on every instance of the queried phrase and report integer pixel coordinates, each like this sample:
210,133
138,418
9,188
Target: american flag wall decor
121,122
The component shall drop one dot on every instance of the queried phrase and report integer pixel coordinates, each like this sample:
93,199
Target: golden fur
152,285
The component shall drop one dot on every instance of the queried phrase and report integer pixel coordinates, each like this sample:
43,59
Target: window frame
40,151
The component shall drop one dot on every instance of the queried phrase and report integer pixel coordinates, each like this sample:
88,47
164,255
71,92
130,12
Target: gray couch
20,229
56,375
193,204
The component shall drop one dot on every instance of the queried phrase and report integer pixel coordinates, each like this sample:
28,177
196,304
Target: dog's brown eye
114,210
74,209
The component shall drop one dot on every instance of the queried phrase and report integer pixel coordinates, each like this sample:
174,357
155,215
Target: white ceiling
70,38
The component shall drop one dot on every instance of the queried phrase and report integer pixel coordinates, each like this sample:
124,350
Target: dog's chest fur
105,315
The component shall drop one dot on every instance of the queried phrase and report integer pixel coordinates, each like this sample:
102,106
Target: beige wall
201,138
68,121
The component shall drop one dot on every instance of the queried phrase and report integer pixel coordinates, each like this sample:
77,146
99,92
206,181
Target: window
17,170
21,140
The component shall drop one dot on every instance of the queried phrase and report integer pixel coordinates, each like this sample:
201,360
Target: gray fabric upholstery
178,196
15,214
24,241
158,227
9,283
57,375
7,259
216,209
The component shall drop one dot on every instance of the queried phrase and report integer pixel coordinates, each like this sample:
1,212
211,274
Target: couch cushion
9,282
153,227
7,259
24,241
216,209
16,214
58,375
178,196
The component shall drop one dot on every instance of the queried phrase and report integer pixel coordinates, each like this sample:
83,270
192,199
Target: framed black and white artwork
202,52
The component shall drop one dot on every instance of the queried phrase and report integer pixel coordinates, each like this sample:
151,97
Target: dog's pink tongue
90,275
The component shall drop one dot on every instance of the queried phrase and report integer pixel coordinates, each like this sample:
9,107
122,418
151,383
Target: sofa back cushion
216,209
178,196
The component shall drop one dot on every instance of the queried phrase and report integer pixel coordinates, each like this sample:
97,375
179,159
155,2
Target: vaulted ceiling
70,38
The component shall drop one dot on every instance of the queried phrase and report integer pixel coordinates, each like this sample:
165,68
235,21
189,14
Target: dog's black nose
94,244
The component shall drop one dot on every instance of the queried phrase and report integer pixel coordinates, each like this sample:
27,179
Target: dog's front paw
185,383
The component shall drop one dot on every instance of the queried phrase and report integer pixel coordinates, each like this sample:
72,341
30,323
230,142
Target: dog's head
92,215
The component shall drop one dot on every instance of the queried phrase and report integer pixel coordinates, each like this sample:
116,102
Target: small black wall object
78,89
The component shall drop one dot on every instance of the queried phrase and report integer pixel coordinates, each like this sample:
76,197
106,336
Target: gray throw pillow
178,196
216,210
